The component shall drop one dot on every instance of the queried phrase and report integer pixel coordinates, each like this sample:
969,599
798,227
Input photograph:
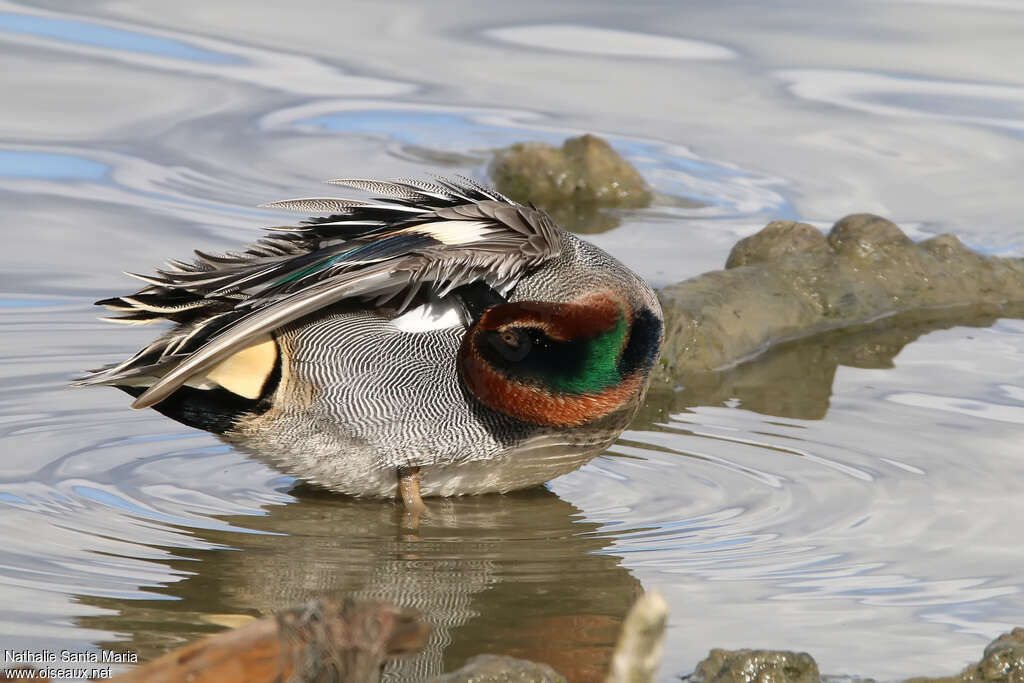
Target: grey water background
861,504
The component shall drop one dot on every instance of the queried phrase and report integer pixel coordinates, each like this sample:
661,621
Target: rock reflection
794,379
517,574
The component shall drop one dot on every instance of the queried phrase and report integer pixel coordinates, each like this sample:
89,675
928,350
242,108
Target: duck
434,339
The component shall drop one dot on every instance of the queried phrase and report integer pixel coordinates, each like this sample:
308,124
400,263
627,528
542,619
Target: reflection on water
97,35
854,495
189,54
795,379
612,42
698,187
977,103
520,574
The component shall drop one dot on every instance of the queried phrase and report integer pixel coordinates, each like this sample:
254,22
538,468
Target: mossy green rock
571,182
1003,662
776,240
584,170
786,282
756,666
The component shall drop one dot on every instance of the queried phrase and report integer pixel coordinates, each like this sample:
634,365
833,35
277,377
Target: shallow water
855,497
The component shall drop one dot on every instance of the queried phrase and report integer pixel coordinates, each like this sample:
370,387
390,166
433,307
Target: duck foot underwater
409,490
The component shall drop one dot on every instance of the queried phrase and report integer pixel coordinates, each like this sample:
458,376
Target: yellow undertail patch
246,372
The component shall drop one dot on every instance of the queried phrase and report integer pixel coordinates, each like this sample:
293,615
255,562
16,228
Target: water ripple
195,55
890,519
984,104
723,189
591,40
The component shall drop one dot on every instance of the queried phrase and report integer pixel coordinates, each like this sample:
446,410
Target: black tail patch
214,410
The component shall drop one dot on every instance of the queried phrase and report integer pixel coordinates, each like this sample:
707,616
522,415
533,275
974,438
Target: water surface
855,496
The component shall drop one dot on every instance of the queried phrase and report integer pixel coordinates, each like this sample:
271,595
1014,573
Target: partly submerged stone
756,666
775,240
500,669
1002,662
583,170
786,282
571,182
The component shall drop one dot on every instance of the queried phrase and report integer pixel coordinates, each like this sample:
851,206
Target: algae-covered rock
756,666
775,240
865,234
1002,662
583,170
498,669
785,283
571,182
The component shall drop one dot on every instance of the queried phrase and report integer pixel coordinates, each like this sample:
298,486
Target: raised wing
420,237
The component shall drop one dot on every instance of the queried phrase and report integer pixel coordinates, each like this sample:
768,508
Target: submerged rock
572,182
499,669
1002,662
756,666
788,282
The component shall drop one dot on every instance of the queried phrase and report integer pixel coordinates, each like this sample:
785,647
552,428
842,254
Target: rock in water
571,182
788,281
756,666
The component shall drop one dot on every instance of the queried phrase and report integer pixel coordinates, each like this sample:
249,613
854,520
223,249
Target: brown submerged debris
572,182
347,641
789,281
325,641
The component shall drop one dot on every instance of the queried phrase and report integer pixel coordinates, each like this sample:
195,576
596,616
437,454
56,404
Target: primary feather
419,238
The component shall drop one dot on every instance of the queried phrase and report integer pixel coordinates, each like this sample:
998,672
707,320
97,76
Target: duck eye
513,345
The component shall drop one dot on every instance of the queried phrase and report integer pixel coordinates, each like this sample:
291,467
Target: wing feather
315,204
414,237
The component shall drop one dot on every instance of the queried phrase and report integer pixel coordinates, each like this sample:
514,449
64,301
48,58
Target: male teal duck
437,340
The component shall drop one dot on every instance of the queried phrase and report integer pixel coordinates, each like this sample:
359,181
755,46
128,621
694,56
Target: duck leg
409,489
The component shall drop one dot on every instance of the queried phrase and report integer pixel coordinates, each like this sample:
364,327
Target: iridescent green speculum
599,366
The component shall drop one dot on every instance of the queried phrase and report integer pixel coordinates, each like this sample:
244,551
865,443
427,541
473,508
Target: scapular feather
370,251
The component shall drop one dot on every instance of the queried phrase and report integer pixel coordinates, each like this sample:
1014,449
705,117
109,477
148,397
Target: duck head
561,364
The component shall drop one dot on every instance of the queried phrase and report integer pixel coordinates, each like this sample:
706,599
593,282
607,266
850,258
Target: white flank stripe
434,315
